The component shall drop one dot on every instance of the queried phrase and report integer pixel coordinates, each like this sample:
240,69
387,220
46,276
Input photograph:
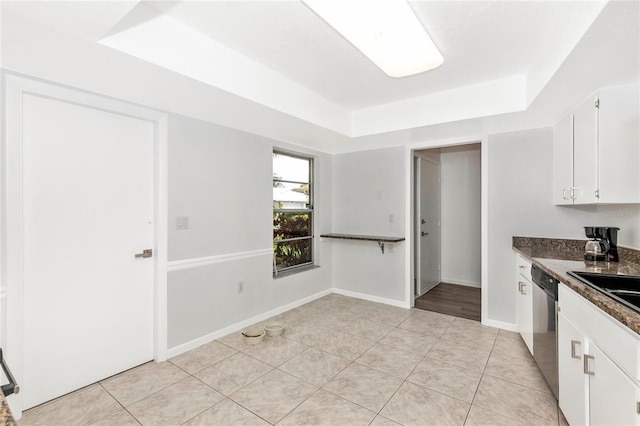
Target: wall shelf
380,240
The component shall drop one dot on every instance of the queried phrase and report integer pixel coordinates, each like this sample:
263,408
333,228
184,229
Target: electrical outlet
240,287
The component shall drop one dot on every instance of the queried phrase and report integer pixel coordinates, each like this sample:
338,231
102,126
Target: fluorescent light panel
385,31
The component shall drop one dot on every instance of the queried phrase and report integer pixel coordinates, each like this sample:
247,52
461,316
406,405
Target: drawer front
620,343
523,267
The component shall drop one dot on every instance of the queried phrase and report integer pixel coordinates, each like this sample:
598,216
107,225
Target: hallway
451,299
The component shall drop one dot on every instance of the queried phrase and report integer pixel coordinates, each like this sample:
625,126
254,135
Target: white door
428,225
88,208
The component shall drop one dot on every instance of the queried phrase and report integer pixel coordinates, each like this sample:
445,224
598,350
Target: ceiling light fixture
385,31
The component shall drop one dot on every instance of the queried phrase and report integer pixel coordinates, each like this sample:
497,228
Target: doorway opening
447,230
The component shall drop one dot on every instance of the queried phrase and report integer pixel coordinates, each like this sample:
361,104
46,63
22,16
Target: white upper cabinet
619,145
563,161
596,150
585,153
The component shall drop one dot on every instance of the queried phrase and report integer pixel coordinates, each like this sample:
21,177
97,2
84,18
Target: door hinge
597,193
597,102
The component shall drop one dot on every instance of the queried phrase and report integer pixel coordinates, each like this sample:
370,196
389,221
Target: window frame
310,210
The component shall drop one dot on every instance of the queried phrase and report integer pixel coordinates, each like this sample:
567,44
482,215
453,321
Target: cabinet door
585,153
524,307
619,145
573,389
613,396
563,161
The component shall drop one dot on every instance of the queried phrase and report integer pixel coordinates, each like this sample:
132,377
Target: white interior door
429,225
88,208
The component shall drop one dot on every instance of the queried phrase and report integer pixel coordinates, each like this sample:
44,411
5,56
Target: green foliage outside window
292,210
291,225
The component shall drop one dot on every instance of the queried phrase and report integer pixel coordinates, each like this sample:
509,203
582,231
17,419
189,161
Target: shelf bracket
381,245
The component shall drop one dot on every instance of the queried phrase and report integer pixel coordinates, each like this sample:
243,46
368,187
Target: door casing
484,215
11,220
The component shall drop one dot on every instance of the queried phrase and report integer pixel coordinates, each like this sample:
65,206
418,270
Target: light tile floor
341,361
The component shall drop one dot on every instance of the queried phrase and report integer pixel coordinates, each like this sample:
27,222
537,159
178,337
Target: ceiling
480,40
498,55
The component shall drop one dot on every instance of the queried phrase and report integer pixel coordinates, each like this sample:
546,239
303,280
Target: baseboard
502,325
370,298
185,347
460,282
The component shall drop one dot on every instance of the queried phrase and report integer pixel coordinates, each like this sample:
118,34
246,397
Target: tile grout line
480,381
119,403
502,379
351,362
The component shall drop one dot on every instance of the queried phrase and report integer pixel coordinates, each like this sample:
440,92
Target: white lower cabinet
524,301
573,383
597,365
613,397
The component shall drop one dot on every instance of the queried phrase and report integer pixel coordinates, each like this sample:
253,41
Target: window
292,211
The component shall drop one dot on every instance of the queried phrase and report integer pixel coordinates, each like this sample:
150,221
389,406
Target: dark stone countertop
557,257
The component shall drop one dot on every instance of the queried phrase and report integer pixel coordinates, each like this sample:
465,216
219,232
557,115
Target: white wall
221,179
460,214
368,187
520,203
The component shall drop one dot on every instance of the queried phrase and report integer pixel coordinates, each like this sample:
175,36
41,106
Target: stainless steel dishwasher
545,320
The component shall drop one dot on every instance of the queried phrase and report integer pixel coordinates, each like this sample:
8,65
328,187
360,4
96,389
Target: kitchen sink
623,288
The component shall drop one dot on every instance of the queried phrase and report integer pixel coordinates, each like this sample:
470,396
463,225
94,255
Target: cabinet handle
520,284
522,266
573,349
524,288
586,365
576,192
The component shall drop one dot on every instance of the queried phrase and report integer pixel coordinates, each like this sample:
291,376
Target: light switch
182,222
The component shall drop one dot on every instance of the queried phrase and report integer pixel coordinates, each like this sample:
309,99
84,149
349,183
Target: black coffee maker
603,245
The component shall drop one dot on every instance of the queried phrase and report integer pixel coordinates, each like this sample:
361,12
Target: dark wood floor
451,299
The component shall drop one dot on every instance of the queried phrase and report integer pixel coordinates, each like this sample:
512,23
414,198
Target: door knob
145,253
424,233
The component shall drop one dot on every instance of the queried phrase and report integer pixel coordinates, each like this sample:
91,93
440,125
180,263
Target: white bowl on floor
253,336
274,329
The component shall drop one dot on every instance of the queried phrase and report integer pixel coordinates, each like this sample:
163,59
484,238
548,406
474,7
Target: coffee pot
603,243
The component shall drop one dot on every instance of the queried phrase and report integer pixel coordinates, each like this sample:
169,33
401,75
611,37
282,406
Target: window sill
294,271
